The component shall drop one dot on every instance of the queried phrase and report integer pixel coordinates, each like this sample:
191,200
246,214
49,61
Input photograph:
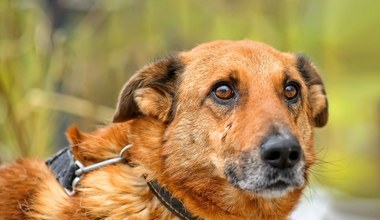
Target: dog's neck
146,136
86,151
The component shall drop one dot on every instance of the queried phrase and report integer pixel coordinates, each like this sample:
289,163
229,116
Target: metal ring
124,149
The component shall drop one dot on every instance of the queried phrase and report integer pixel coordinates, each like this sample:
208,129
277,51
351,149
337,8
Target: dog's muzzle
273,170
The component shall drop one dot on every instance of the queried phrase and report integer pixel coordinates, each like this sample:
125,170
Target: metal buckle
79,173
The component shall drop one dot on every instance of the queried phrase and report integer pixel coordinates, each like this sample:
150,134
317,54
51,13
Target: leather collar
171,203
69,171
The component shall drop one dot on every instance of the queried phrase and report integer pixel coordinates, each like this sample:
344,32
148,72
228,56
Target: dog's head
239,112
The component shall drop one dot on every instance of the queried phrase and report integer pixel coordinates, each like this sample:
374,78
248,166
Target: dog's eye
224,92
291,92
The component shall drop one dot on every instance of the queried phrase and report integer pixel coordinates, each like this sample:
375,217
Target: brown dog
224,131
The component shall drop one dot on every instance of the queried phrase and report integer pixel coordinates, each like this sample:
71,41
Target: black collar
69,172
171,203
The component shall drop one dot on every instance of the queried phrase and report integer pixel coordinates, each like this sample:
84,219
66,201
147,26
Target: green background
66,62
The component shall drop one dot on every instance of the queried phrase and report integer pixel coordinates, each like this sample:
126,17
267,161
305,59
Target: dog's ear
317,94
151,91
75,137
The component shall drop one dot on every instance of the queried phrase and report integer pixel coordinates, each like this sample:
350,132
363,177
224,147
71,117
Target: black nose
281,151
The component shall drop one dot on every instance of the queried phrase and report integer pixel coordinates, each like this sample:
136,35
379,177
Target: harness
69,171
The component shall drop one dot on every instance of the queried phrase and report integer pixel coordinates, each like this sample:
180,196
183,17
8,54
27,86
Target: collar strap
63,166
171,203
70,171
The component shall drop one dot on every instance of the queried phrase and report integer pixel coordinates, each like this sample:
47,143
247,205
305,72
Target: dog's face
238,113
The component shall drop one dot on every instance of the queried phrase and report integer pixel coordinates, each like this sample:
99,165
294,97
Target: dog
223,131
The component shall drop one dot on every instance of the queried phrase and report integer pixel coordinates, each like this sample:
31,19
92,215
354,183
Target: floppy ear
317,94
151,91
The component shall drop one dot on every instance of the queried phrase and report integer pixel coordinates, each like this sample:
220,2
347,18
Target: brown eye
291,92
224,92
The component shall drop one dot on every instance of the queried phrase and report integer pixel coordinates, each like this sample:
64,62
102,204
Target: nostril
271,156
294,156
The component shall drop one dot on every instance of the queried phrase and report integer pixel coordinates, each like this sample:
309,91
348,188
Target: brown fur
182,138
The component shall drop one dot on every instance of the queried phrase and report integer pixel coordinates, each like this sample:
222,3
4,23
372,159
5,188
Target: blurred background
65,61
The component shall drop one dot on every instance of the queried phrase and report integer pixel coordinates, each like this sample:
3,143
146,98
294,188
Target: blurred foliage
65,61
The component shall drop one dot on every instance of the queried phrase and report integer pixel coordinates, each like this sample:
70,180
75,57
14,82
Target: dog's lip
278,185
281,184
276,189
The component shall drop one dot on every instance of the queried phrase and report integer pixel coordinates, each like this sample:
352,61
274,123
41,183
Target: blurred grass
66,62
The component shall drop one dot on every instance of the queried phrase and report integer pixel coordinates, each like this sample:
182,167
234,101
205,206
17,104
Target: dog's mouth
277,189
278,186
266,181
